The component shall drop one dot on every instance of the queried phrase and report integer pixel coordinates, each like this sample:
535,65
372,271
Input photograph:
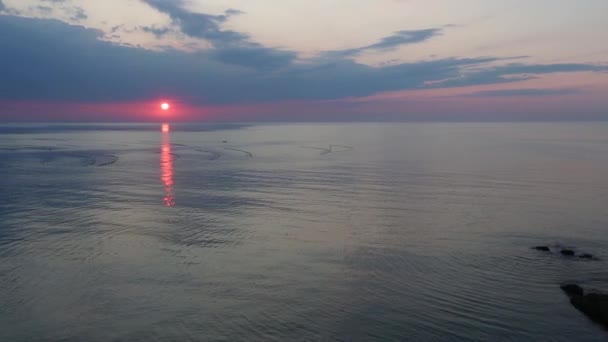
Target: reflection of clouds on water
166,167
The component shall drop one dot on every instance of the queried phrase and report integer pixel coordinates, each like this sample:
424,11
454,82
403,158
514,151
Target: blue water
300,232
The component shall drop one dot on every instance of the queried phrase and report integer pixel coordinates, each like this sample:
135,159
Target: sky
302,60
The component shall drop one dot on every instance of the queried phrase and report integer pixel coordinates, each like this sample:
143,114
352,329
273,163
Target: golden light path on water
166,166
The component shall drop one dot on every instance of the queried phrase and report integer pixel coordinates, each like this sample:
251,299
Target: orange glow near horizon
166,168
165,128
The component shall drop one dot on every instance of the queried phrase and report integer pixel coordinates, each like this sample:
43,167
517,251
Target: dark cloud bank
49,60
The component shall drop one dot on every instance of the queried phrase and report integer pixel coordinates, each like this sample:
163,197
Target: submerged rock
542,248
586,256
567,252
594,305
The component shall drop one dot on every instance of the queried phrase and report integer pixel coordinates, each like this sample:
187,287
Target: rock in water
594,305
567,252
542,248
586,256
572,290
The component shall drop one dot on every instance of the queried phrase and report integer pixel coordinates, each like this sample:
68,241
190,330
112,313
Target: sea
300,231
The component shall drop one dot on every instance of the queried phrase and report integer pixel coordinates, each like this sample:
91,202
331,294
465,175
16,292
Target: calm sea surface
300,232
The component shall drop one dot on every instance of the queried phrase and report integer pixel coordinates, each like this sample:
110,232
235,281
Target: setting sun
165,106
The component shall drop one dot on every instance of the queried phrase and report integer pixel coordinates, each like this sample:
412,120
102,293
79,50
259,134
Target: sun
165,106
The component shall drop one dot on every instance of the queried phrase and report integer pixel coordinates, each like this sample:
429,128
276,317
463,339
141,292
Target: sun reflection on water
166,167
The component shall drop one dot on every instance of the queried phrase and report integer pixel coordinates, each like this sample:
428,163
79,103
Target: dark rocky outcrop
572,290
594,304
567,252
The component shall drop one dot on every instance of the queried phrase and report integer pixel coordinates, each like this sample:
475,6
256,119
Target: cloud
237,48
258,57
232,11
45,9
518,68
199,25
515,72
76,13
527,92
2,7
231,47
49,60
157,31
48,7
393,41
405,37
